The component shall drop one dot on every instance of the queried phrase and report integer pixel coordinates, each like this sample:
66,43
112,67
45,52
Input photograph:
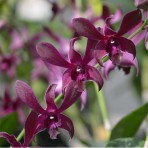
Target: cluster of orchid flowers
105,47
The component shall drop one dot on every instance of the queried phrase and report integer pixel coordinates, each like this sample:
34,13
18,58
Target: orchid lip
78,73
80,69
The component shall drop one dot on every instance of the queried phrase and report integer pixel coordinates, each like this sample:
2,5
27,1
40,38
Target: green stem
139,29
19,137
58,98
103,108
146,141
103,61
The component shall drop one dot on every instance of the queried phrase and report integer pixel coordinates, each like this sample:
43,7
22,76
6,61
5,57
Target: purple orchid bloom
125,62
78,70
53,77
106,13
142,4
111,43
143,34
50,118
18,39
8,64
10,105
30,123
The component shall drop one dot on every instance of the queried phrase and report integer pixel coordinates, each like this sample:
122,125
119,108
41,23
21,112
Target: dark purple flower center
113,46
51,119
78,73
113,42
125,69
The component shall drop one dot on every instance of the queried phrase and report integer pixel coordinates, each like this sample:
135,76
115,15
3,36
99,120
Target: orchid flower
141,35
50,118
106,13
8,64
9,105
142,4
78,70
124,62
111,43
18,39
53,77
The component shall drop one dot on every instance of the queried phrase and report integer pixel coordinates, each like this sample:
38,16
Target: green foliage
128,126
24,70
8,124
125,142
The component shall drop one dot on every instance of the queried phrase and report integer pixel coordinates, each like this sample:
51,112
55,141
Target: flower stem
142,27
19,137
103,108
146,141
58,98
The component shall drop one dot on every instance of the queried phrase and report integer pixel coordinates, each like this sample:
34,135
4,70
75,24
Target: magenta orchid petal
136,39
30,127
70,96
74,56
88,56
66,79
49,54
101,45
26,94
105,12
50,96
146,41
21,115
108,67
100,51
67,124
117,16
83,99
79,85
94,75
99,55
51,34
11,139
85,28
108,31
17,40
129,21
40,126
126,60
127,45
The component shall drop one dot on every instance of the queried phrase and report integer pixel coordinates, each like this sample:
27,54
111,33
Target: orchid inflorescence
101,43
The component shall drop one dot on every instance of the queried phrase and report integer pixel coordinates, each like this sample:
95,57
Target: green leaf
125,142
8,124
128,126
24,70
